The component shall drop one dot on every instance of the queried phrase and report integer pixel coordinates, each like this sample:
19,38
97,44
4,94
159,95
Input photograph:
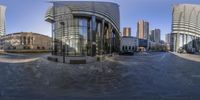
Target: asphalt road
152,76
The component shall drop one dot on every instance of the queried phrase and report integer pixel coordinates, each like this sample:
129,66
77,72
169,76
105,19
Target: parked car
191,51
180,50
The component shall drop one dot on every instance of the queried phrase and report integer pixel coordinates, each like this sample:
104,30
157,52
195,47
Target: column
52,40
174,42
186,46
27,40
110,37
177,41
93,36
196,39
21,40
32,42
101,36
184,41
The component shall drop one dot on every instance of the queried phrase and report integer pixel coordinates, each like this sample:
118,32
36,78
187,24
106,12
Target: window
21,42
24,40
14,48
43,48
28,48
29,40
133,48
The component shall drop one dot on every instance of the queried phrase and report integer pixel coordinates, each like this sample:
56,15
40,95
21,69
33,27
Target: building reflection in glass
86,31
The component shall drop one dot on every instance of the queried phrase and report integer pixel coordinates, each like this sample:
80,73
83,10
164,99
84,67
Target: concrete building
25,41
126,31
84,28
2,20
155,35
185,28
128,44
142,29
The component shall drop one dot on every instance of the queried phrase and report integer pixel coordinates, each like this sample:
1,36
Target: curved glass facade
81,33
186,28
73,37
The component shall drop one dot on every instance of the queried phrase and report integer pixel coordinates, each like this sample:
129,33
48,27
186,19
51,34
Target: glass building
185,28
84,28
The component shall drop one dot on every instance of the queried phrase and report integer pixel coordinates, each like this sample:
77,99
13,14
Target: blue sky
28,15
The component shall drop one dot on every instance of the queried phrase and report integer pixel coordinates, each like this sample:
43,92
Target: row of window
128,48
26,40
26,48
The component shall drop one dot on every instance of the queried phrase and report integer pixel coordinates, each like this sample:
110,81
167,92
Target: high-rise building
127,31
143,29
2,20
155,35
185,27
168,38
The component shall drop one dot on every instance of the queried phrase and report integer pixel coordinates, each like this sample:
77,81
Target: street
152,76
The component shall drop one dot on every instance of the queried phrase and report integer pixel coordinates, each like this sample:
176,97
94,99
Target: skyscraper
2,20
142,29
155,35
168,38
127,31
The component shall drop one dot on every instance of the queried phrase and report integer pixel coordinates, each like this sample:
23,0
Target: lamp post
53,41
63,45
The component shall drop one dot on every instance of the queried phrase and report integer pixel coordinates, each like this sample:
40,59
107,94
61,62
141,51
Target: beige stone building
25,41
142,29
127,31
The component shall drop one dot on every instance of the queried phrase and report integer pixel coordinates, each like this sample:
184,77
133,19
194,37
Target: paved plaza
154,76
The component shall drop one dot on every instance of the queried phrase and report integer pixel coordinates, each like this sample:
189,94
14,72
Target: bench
79,61
52,59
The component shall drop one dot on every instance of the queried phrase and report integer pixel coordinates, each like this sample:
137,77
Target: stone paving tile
158,76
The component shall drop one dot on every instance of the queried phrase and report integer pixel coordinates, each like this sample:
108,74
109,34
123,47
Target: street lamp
53,41
63,45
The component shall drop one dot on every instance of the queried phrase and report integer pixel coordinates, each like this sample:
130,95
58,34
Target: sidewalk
11,54
197,53
142,54
89,59
192,57
68,59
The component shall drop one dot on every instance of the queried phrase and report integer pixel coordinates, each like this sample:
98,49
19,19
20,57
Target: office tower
142,29
155,35
127,31
168,38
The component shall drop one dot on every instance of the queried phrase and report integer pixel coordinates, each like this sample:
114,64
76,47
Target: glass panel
181,41
76,41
